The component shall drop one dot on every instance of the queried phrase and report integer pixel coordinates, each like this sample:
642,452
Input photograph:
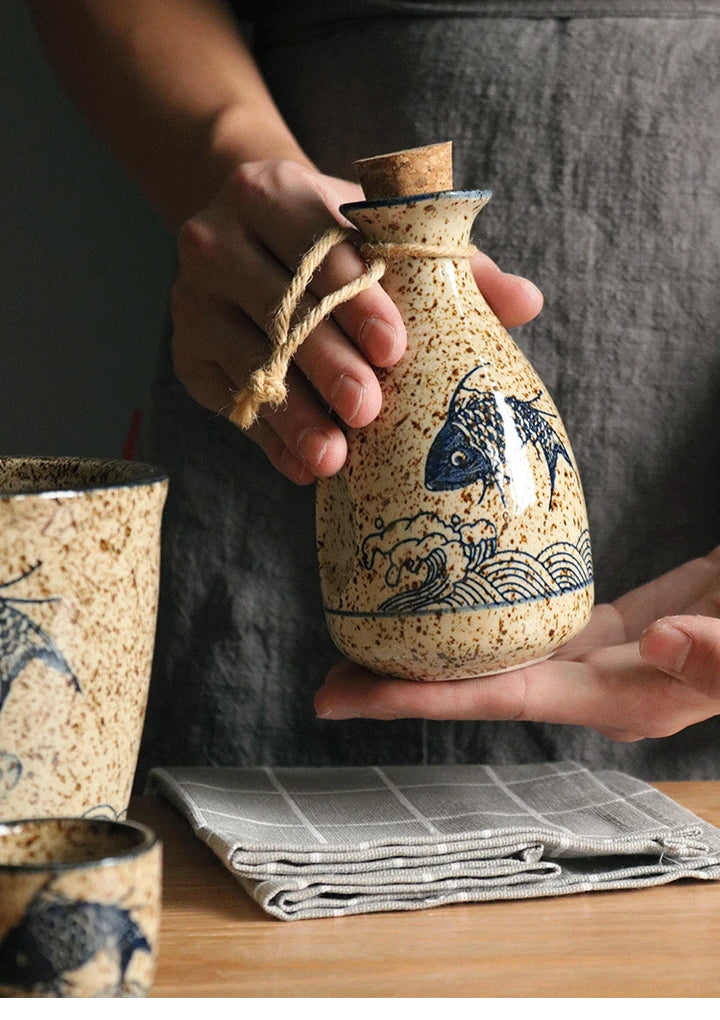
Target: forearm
171,88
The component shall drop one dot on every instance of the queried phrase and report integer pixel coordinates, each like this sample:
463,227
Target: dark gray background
85,266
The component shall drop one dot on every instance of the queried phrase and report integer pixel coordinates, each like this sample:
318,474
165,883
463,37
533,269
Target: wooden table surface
215,941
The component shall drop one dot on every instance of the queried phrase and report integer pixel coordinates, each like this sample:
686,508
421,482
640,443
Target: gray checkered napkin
324,842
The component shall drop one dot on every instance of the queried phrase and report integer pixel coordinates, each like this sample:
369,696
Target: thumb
514,299
687,647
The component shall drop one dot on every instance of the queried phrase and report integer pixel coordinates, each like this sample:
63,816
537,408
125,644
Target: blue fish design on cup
58,935
22,640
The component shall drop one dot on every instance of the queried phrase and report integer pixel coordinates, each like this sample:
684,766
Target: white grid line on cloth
406,803
474,784
430,818
304,823
628,798
591,805
350,823
518,800
252,821
292,805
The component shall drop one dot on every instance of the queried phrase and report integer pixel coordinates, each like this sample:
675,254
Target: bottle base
461,645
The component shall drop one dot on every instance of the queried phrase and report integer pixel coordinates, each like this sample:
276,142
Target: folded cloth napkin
323,842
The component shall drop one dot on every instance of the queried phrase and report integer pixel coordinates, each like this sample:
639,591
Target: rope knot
262,387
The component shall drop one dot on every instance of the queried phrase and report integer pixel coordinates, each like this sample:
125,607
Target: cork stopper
408,172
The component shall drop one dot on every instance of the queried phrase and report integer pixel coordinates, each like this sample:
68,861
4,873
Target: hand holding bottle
237,258
647,665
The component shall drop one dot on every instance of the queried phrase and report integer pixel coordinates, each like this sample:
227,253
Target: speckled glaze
80,904
454,542
79,572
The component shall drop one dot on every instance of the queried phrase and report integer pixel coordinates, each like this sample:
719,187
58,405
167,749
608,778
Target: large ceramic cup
79,571
79,907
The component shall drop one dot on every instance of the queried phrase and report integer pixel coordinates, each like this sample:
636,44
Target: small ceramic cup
79,907
79,573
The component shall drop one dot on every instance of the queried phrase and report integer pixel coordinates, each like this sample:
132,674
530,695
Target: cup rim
140,474
149,840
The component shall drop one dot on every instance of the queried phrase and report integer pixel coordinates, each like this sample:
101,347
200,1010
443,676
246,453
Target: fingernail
294,469
534,289
312,446
665,646
320,712
383,338
347,397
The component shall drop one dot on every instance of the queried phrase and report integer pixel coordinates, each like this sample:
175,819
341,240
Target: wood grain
215,941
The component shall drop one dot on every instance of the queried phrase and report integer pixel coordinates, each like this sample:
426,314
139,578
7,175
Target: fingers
692,587
300,442
237,259
235,271
686,647
370,319
563,692
265,220
613,691
514,299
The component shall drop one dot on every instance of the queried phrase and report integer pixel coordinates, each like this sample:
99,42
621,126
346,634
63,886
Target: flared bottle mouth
404,200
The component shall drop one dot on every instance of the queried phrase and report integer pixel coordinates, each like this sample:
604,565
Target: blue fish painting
471,447
22,640
57,936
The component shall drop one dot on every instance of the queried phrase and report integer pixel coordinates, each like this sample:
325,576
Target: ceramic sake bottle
454,542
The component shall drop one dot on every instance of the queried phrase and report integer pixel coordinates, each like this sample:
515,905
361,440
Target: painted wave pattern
458,566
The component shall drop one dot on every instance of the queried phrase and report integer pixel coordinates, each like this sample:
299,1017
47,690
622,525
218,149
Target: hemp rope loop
266,385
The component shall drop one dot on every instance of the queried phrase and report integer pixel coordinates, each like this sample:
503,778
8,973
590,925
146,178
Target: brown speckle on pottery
79,572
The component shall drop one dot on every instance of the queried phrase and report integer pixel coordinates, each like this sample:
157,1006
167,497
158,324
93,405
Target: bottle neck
441,222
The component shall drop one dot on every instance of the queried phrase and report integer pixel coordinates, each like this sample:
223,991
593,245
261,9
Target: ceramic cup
79,907
79,572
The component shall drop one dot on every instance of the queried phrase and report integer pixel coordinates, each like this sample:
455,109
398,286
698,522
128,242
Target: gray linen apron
596,127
